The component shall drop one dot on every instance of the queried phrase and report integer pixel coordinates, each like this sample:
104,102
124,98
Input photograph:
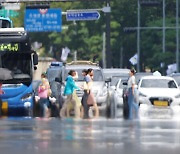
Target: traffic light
130,29
150,3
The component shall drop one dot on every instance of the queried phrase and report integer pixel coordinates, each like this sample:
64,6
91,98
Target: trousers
84,104
132,104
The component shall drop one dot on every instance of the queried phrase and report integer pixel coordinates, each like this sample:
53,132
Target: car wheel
108,107
112,108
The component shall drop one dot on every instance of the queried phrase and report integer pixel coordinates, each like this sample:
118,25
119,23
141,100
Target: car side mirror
125,83
108,80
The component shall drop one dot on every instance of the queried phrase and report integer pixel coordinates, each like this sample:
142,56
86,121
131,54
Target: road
91,136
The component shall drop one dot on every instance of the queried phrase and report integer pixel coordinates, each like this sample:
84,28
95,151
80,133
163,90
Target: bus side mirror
35,59
35,67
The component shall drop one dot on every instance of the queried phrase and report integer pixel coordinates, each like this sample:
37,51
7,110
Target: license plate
5,108
160,103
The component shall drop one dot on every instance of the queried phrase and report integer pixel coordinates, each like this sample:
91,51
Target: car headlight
26,96
142,95
177,96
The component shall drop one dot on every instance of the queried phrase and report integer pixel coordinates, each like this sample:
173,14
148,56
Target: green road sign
8,13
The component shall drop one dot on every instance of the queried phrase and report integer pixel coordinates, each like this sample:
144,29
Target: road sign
8,13
74,15
43,20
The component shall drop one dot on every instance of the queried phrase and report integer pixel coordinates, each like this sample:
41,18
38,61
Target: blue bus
5,22
17,64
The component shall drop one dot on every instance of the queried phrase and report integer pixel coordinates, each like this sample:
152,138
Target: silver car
99,88
118,101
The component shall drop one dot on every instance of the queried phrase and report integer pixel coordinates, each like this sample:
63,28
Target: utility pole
103,51
121,57
138,37
164,26
108,45
177,35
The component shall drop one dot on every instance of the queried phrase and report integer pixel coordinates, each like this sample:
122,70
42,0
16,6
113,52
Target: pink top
43,88
42,93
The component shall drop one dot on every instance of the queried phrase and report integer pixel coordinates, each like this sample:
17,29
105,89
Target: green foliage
85,37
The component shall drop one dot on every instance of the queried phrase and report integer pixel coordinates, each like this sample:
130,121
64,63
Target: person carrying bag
91,99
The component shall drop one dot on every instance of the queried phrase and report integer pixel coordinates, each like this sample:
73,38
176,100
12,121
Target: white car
159,97
117,102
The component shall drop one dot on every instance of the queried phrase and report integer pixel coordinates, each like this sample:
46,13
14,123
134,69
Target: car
114,74
117,103
158,97
54,72
99,88
176,76
122,73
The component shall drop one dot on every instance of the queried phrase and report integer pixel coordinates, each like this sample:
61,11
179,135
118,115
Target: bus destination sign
12,47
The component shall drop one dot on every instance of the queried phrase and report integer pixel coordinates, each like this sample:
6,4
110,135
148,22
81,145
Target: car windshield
52,74
158,83
177,78
115,79
138,76
112,73
98,76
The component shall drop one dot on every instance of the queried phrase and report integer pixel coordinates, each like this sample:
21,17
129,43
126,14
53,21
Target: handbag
90,99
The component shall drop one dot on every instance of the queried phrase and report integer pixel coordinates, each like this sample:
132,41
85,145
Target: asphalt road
92,136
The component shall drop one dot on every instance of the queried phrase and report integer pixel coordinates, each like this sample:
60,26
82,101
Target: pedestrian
44,93
91,100
1,92
69,89
131,94
85,107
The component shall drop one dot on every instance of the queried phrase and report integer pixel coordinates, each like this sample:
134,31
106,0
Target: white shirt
131,81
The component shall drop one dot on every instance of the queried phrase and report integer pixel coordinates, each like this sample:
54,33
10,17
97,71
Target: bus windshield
19,65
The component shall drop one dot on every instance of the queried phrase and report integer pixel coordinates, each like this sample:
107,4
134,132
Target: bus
5,22
17,64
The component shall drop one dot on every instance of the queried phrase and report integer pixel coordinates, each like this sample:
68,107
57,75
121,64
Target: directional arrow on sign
82,15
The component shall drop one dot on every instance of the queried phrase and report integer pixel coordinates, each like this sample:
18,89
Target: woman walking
68,91
131,94
43,93
91,100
